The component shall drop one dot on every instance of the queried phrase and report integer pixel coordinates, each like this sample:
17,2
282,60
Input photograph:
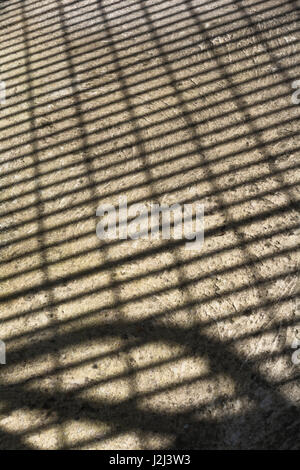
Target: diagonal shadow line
95,249
122,148
261,38
148,233
128,329
88,165
142,151
265,236
204,96
104,180
148,114
137,62
158,3
124,330
26,313
153,113
266,159
229,188
13,441
107,153
141,61
254,67
221,229
255,273
81,236
148,68
143,254
135,73
226,249
241,374
245,312
172,386
75,3
39,206
259,144
130,21
70,4
45,404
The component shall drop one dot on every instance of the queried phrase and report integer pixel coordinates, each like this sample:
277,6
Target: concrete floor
141,344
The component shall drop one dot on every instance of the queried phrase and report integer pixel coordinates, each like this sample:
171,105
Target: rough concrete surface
141,344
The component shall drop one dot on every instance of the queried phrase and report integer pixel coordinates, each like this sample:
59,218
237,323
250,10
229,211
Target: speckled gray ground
142,344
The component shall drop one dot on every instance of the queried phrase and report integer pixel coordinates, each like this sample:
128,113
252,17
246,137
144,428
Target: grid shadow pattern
140,344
